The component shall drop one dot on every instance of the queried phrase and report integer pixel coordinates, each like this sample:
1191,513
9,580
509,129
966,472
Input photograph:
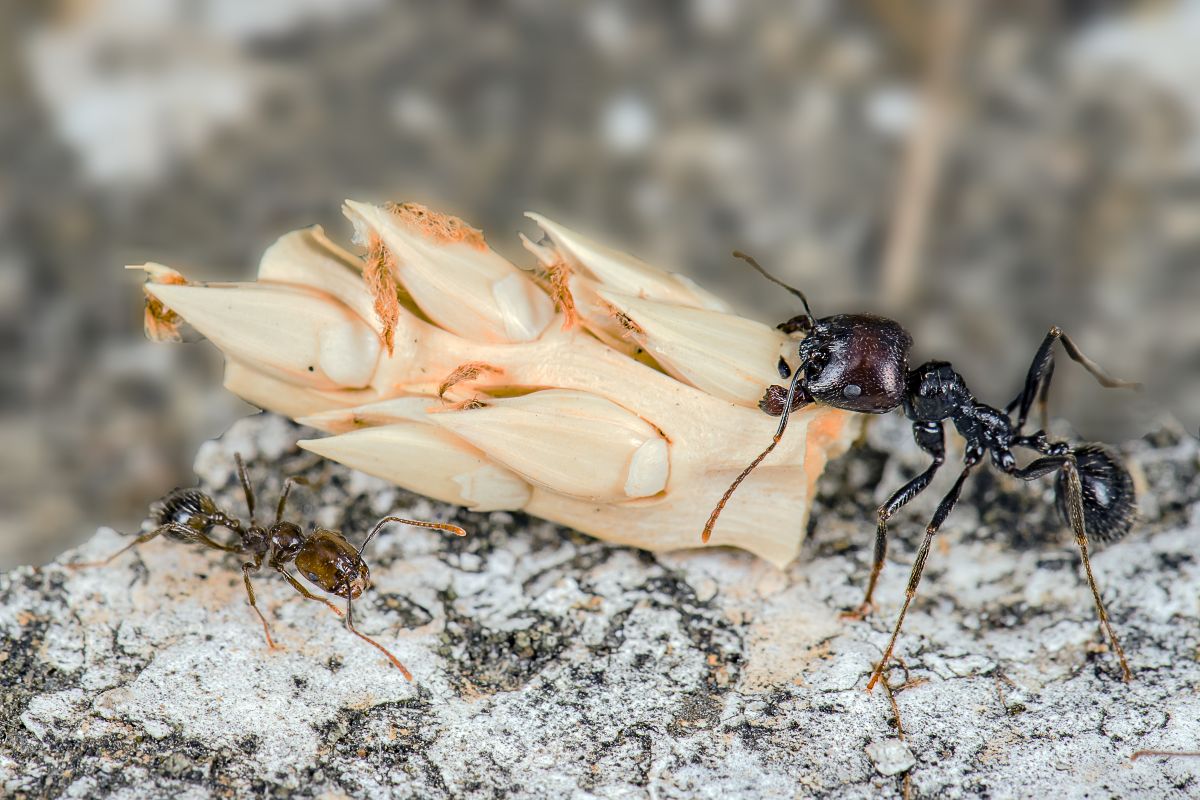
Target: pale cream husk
606,395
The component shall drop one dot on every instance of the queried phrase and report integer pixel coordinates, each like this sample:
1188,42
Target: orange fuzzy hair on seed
470,404
623,319
161,323
381,281
466,372
558,275
441,228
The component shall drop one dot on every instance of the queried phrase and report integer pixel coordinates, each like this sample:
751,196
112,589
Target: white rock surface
548,664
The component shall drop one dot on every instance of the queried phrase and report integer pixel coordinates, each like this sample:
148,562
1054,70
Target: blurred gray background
978,170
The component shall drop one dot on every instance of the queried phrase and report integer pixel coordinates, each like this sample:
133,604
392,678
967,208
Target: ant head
190,507
858,362
332,563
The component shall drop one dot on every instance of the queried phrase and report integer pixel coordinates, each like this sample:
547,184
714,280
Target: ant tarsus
324,557
859,362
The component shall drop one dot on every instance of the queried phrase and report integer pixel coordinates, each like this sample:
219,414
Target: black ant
859,362
324,557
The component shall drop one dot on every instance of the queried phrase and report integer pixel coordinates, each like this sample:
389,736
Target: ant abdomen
1109,500
190,508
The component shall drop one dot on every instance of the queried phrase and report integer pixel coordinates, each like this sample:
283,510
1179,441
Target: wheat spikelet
622,406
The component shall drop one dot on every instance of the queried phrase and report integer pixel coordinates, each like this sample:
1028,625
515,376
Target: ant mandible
859,362
324,557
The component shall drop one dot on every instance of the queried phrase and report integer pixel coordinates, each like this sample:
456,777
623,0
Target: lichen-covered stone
549,664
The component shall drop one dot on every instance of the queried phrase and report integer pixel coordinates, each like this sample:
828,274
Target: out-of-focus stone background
194,132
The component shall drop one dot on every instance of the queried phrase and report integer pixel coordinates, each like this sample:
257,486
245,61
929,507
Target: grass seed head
628,426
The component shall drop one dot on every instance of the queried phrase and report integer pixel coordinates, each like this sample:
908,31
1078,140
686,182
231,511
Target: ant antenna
783,421
750,260
441,526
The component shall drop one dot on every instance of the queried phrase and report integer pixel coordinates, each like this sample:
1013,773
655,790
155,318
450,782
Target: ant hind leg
1037,381
142,539
1075,514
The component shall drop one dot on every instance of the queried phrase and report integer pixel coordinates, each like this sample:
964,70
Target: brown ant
324,557
859,362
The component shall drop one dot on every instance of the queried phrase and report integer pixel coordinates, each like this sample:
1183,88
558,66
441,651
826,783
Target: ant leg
302,589
395,661
1043,399
247,568
1041,370
1075,512
929,438
207,541
914,579
190,533
283,495
441,526
241,471
1044,466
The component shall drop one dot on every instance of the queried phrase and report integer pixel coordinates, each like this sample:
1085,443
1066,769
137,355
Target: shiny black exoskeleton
324,557
859,362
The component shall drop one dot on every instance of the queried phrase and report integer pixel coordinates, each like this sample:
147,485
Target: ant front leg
1037,382
303,590
929,438
247,568
914,579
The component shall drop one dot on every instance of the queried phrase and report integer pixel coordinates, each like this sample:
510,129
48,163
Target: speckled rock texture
548,664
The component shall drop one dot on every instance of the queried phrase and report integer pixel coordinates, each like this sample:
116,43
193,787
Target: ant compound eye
852,390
